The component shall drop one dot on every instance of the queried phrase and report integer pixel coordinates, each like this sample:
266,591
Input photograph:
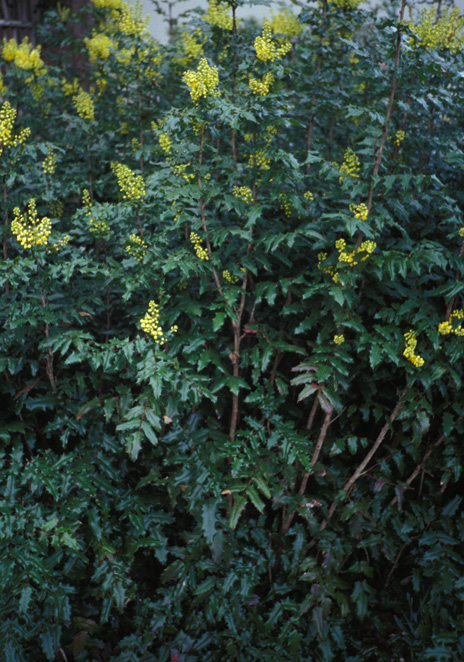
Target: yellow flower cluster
107,4
202,82
24,56
70,89
3,88
411,344
445,32
99,46
219,15
285,205
191,45
49,163
28,230
137,248
56,208
259,160
343,256
230,278
447,327
350,166
308,196
201,252
7,120
83,104
263,86
399,137
130,20
339,339
347,4
165,142
284,22
150,322
54,248
360,211
328,269
265,47
97,227
132,186
179,171
461,232
244,193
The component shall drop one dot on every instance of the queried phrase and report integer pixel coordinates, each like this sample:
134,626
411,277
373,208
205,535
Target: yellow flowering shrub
443,32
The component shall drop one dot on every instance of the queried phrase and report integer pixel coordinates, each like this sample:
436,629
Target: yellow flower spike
360,211
84,105
244,193
108,4
410,342
286,23
132,186
7,120
261,87
202,82
137,248
443,32
24,56
150,323
285,205
399,137
28,230
308,196
218,15
201,252
49,163
339,339
165,142
265,46
350,166
99,46
259,160
174,328
191,45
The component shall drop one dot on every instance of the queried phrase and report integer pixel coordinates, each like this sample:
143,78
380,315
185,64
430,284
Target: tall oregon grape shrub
232,336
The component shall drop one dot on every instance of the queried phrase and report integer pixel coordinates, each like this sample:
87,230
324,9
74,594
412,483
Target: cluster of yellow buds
7,120
461,232
54,248
191,46
201,252
308,196
347,4
219,15
28,229
108,4
350,166
24,56
150,322
57,208
137,247
130,20
99,46
230,278
447,327
343,256
360,211
70,89
174,328
263,86
339,339
411,344
284,22
244,193
202,82
259,160
165,142
132,186
98,227
3,87
179,171
444,32
327,269
285,205
49,163
265,47
83,104
399,137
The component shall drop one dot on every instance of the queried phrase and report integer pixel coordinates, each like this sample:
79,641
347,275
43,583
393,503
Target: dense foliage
231,337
